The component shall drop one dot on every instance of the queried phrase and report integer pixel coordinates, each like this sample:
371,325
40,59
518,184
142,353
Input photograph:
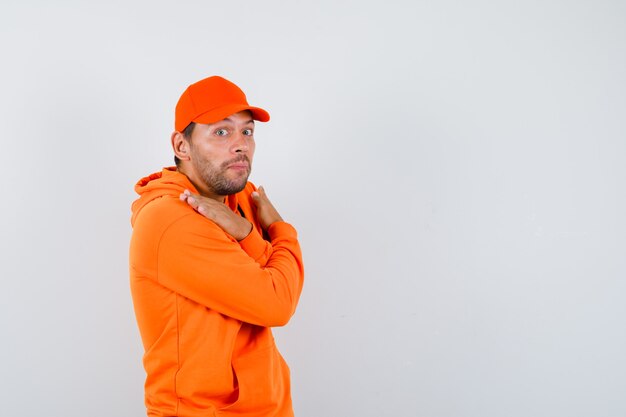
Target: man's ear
180,146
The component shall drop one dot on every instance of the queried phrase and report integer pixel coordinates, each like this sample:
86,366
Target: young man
206,285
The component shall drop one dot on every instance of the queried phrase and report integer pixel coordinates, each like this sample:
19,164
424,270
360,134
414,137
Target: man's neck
203,190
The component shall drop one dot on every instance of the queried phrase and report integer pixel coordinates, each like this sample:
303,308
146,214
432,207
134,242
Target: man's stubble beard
215,177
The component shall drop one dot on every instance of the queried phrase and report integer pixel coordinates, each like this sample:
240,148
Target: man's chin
240,176
240,187
237,185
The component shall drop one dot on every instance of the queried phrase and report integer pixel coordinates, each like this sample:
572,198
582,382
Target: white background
455,170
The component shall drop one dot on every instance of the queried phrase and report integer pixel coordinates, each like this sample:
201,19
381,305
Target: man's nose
240,144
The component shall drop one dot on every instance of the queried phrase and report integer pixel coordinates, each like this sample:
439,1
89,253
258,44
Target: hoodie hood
168,182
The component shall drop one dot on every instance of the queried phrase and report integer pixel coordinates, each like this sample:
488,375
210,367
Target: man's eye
221,132
248,132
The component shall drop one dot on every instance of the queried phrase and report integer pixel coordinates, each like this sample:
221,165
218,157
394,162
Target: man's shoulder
162,212
169,215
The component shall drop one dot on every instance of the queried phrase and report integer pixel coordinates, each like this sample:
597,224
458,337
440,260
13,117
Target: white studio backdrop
455,170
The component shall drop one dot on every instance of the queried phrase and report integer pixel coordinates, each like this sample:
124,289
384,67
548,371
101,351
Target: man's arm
236,226
199,261
240,228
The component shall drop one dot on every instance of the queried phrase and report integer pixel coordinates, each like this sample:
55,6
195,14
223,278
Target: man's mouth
240,164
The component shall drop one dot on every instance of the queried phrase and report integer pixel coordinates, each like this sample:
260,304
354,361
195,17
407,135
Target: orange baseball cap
211,100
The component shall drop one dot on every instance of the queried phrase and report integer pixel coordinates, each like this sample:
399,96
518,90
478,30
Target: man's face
221,153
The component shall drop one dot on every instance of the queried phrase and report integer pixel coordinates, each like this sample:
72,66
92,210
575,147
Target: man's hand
233,224
265,211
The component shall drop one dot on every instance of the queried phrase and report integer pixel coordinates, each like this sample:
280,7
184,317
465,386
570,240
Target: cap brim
215,115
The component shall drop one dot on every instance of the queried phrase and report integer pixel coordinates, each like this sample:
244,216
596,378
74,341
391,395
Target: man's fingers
192,201
259,194
185,195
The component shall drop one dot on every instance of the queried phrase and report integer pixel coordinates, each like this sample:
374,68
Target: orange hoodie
205,304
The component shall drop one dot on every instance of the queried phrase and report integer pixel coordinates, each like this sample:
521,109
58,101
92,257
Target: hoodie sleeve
256,247
199,261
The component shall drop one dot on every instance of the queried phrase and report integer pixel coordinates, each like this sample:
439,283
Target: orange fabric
205,304
213,99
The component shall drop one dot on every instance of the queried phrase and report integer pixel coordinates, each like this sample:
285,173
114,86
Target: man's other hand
265,211
233,224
